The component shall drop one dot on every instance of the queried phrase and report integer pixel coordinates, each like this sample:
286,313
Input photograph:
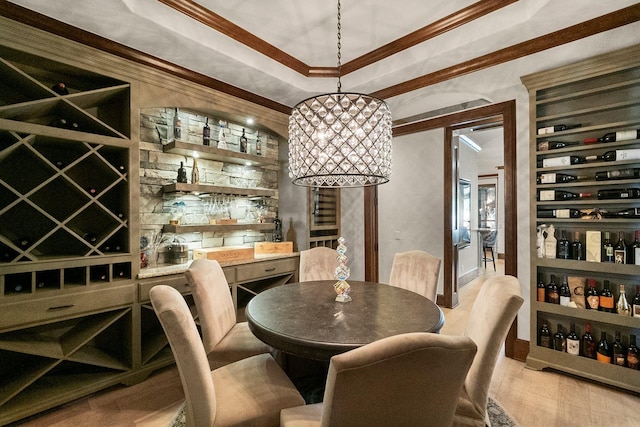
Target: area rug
497,416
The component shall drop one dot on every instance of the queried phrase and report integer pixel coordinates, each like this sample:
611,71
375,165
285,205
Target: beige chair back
211,294
318,263
493,312
405,380
191,359
416,271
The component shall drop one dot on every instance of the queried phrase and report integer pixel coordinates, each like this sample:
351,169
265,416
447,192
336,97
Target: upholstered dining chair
251,391
225,340
317,263
416,271
493,312
410,379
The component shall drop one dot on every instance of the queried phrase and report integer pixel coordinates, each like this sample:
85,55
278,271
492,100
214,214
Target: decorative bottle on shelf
588,343
182,174
553,296
222,137
593,299
633,354
258,144
60,88
622,307
277,232
559,341
635,303
206,133
618,174
541,231
620,250
617,155
550,243
625,135
573,342
564,251
577,251
541,289
243,142
618,351
195,172
606,298
565,292
545,336
557,128
607,248
603,353
177,125
634,252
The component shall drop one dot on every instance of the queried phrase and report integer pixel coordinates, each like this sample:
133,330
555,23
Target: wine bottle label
554,297
631,154
546,195
573,347
541,294
565,301
619,359
593,302
603,358
562,213
589,349
545,341
556,161
635,310
606,302
620,256
548,178
626,135
632,361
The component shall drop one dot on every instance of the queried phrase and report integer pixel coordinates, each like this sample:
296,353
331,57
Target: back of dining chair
213,300
318,263
493,312
190,356
417,271
411,379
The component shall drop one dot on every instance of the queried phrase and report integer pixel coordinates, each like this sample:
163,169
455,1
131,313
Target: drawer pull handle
269,269
61,307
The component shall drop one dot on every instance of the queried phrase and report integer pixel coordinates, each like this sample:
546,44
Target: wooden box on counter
225,253
272,248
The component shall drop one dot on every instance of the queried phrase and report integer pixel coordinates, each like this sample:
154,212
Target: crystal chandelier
340,139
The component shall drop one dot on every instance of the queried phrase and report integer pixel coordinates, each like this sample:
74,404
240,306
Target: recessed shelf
213,153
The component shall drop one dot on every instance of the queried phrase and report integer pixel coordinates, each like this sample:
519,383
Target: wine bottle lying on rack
617,155
559,213
618,174
561,161
625,135
556,128
554,145
619,193
547,195
625,213
553,178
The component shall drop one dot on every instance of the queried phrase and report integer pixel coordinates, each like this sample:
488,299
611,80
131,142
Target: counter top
168,269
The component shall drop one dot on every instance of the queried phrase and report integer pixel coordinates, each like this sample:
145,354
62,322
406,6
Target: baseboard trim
520,350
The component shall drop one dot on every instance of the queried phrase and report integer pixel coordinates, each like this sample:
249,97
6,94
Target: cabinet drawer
178,281
262,269
45,309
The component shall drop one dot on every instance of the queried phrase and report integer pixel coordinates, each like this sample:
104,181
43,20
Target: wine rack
602,96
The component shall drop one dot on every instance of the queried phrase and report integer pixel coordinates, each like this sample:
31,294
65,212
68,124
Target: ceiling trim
588,28
42,22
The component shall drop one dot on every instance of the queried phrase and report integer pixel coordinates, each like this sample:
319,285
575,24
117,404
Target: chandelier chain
339,48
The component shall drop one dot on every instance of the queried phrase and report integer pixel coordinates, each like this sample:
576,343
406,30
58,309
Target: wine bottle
606,299
182,174
90,237
243,142
603,354
622,307
561,161
625,135
545,195
554,145
635,303
557,128
593,298
625,213
559,213
573,342
545,336
563,246
619,193
195,172
618,174
553,178
618,351
550,243
559,340
620,250
23,242
206,133
553,296
607,248
634,251
565,292
258,145
616,155
633,354
588,343
577,251
60,88
541,289
177,125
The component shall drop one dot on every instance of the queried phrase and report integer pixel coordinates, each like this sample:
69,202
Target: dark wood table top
305,320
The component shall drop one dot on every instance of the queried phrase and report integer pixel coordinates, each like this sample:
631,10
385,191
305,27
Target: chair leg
484,256
493,259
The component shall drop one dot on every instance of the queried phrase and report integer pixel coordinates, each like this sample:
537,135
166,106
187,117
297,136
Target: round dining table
304,319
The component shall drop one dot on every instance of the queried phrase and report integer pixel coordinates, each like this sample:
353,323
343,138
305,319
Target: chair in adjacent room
410,379
225,340
493,312
416,271
251,391
488,244
318,263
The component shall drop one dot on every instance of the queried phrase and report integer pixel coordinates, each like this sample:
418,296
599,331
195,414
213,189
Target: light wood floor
531,398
